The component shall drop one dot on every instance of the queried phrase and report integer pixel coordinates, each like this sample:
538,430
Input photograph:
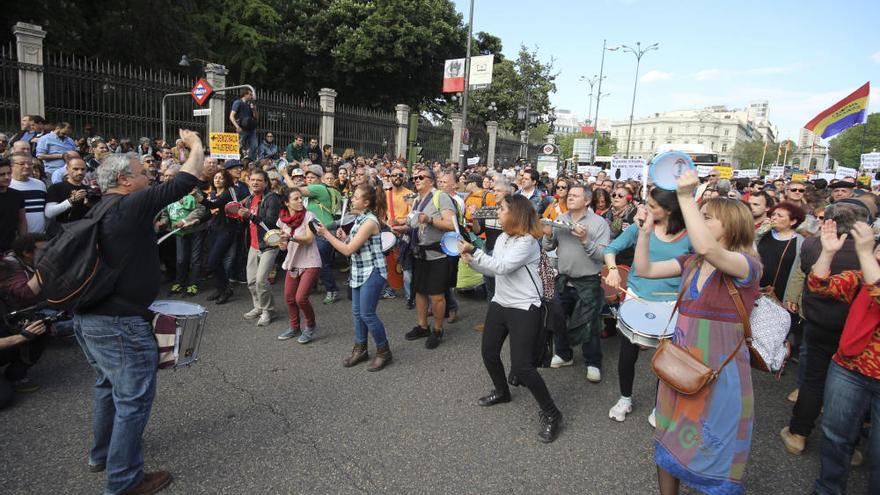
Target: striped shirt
369,256
34,192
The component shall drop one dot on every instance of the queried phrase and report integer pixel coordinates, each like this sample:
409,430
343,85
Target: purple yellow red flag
842,115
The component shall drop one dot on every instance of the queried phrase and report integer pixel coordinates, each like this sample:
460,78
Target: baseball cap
231,164
475,178
317,170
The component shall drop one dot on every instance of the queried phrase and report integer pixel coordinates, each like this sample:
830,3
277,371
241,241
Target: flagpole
763,154
778,153
810,160
785,157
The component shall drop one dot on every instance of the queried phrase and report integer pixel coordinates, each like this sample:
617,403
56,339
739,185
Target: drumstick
344,207
166,236
633,296
664,293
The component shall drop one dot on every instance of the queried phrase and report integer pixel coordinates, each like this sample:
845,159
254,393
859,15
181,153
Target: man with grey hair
579,248
120,325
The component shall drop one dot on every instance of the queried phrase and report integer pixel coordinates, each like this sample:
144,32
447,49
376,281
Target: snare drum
612,295
389,240
646,323
178,329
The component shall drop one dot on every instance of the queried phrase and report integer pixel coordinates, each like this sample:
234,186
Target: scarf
293,220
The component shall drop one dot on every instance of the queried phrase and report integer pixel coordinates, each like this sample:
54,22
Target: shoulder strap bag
678,368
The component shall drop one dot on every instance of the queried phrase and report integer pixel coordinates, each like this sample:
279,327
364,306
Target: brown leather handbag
679,369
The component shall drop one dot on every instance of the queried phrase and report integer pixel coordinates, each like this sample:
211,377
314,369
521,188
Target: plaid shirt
369,256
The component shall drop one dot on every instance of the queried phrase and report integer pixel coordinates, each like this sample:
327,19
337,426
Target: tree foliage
749,153
847,146
607,144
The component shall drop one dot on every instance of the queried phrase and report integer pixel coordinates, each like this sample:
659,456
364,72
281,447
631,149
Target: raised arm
704,243
196,159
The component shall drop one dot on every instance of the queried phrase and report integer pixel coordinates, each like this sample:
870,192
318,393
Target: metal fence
435,141
507,150
367,131
9,103
118,100
286,116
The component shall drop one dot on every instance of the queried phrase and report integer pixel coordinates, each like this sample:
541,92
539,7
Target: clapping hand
465,247
190,138
579,231
831,243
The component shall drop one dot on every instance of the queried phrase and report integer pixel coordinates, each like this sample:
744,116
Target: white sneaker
593,374
623,407
558,362
253,314
652,418
265,319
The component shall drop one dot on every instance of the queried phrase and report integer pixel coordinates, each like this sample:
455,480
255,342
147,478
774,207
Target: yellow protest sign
800,177
224,145
724,172
865,180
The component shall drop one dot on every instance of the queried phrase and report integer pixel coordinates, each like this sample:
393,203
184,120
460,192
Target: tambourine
449,243
272,237
231,210
666,168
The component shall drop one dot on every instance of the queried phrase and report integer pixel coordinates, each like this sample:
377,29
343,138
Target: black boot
215,295
513,380
551,423
494,398
225,296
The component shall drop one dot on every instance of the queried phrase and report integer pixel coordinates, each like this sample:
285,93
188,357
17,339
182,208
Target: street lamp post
638,51
462,163
599,96
592,82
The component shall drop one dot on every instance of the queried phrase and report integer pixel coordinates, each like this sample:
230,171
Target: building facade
717,127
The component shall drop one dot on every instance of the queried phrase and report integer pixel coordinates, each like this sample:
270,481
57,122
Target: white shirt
514,264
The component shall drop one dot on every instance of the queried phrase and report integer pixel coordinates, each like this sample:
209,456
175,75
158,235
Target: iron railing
118,100
9,101
435,141
369,132
286,116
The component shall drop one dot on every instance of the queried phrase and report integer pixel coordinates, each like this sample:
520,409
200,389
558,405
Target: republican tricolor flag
842,115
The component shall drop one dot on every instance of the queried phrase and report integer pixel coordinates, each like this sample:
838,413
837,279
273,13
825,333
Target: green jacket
294,154
586,317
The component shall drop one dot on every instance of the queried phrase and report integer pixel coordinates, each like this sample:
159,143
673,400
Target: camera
18,320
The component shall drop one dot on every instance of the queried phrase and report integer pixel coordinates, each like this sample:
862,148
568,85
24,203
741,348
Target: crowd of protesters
808,244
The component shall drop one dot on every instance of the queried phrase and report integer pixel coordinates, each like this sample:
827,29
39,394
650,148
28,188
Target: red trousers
296,294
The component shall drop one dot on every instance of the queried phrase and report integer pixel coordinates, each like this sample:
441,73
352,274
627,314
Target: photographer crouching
22,341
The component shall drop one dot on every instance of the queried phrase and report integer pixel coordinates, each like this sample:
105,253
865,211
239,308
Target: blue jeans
248,140
848,396
189,258
124,354
592,350
364,300
326,250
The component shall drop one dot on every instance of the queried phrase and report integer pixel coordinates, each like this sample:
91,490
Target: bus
701,154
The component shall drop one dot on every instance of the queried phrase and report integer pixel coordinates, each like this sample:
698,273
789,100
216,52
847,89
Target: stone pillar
402,112
29,49
215,74
550,138
492,131
327,97
455,148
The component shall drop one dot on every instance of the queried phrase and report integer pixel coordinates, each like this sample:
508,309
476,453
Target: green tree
749,153
849,144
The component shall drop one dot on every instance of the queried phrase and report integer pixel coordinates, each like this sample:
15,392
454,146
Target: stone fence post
492,130
327,98
215,74
402,114
455,147
29,49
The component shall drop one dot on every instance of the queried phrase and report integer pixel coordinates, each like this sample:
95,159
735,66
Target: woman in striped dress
367,277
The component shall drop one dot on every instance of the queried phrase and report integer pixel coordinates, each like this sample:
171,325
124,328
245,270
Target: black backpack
71,270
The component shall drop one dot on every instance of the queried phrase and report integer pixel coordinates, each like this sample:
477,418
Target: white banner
870,161
589,169
473,161
747,173
776,171
627,168
845,172
703,170
825,175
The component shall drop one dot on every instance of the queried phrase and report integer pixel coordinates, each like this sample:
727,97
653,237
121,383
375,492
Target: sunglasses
618,195
420,177
398,175
797,190
561,187
820,218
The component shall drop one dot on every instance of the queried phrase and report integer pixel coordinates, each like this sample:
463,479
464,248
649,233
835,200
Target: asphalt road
256,415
